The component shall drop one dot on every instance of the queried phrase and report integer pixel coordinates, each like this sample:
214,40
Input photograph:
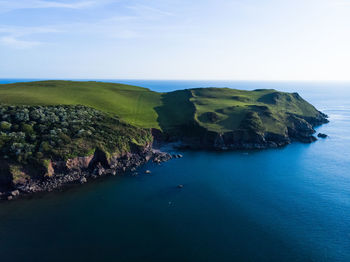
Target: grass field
134,105
216,109
229,107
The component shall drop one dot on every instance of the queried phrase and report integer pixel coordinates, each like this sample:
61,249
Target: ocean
283,205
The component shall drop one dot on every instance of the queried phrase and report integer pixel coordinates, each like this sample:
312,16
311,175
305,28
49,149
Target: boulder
83,180
148,172
320,135
148,157
15,193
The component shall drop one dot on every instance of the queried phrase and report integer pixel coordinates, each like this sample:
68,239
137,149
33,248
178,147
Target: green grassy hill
134,105
224,109
214,109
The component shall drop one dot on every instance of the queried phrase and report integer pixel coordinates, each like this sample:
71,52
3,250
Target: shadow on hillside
176,114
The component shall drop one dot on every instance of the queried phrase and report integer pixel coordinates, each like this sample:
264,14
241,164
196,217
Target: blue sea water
289,204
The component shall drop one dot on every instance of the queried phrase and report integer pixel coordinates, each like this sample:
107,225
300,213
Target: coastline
81,170
85,169
47,147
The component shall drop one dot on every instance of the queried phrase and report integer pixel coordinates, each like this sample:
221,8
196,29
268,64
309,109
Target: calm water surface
290,204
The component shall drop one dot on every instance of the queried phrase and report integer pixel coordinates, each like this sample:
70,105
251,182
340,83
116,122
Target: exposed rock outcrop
321,135
82,169
251,135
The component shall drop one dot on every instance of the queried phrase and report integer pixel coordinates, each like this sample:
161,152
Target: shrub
5,126
27,129
45,146
66,139
18,176
39,155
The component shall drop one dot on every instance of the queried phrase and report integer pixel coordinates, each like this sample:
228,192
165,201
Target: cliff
223,118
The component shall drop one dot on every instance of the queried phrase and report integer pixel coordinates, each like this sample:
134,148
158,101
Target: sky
272,40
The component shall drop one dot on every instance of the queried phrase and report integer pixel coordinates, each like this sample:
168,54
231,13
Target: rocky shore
84,169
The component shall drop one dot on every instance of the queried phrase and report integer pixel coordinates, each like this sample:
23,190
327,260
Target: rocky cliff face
76,170
299,129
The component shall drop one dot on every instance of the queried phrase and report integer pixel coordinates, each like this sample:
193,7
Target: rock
160,157
180,156
15,193
99,171
180,186
148,172
133,169
64,175
50,170
320,135
79,162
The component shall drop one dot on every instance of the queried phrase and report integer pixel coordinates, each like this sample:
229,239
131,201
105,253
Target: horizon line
169,79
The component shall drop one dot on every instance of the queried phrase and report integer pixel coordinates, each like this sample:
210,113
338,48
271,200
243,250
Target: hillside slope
224,109
208,117
135,105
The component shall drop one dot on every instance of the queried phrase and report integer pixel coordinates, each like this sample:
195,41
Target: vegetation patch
134,105
38,134
18,176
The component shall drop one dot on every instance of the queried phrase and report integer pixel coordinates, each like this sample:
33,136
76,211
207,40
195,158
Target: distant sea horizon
167,85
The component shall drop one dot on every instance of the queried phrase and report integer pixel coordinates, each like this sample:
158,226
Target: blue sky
176,39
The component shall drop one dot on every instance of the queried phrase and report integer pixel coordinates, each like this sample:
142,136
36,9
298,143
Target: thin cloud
147,11
138,23
37,4
25,30
18,44
11,36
